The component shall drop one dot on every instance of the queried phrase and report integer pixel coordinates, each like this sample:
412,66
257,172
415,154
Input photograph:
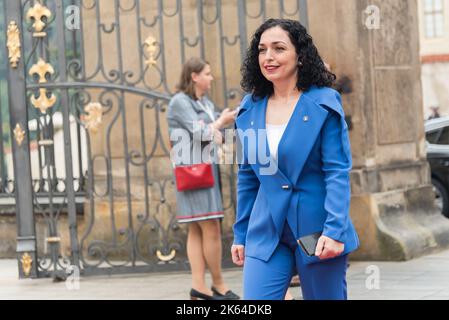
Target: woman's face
278,59
203,80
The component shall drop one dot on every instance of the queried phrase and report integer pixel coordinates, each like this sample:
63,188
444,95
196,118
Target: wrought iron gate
91,171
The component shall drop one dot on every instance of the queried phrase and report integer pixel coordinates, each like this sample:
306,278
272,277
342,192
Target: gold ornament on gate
19,134
166,258
94,117
37,12
53,239
41,68
13,44
27,262
43,102
150,46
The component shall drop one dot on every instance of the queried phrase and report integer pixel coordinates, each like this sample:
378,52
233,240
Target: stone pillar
392,203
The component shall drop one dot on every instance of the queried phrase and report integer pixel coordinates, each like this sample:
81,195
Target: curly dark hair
312,72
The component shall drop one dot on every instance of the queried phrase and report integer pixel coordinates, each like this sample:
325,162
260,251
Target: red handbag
192,177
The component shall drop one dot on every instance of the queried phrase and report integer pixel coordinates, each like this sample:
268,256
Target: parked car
437,136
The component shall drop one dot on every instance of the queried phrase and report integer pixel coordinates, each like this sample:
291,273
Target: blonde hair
186,84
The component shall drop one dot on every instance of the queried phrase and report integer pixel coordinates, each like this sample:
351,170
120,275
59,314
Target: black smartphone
308,243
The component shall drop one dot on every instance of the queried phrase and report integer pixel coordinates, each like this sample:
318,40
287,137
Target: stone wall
392,204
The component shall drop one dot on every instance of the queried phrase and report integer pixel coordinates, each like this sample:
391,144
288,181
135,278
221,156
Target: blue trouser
270,280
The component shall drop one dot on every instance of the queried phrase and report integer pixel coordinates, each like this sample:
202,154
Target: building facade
434,34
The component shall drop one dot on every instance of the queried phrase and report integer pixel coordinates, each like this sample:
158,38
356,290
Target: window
444,137
432,137
433,18
438,136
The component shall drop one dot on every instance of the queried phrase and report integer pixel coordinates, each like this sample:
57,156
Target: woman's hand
227,117
217,136
328,248
238,254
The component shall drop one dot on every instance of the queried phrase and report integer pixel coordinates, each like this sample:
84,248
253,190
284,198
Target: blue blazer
310,188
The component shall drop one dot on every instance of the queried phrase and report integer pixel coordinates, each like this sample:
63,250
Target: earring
300,63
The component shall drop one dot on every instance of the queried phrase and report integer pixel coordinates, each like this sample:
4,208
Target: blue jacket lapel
253,117
299,137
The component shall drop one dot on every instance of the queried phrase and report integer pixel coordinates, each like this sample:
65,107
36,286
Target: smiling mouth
271,68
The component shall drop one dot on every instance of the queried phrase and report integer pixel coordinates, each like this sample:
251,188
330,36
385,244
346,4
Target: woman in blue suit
293,177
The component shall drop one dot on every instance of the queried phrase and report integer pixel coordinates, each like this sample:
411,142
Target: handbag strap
173,162
208,110
210,113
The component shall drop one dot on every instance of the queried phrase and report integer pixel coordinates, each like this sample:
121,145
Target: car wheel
441,197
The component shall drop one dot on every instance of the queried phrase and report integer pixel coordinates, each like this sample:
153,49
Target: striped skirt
201,204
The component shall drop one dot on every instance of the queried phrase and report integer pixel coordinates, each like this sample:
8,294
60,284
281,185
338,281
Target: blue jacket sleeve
247,189
336,165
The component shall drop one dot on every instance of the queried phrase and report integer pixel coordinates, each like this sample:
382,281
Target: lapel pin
306,118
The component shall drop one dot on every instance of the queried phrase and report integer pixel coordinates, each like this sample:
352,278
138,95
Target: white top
274,136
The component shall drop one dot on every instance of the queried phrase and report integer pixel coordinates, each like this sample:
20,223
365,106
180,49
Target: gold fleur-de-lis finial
37,12
43,102
41,68
151,49
13,44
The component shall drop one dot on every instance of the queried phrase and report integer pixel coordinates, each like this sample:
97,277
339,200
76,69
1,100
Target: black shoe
195,295
227,296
